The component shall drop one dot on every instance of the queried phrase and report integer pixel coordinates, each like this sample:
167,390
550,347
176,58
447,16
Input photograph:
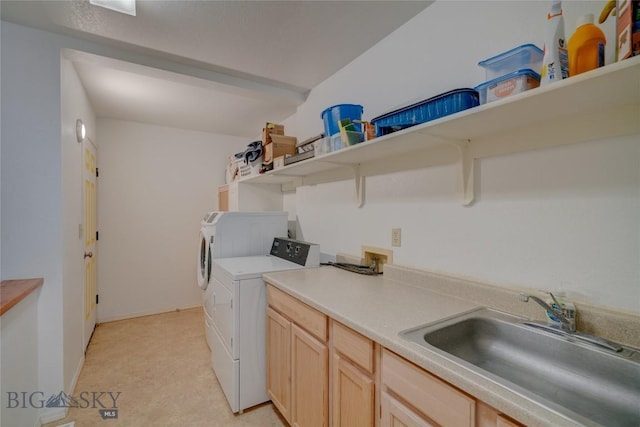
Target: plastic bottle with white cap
555,64
586,46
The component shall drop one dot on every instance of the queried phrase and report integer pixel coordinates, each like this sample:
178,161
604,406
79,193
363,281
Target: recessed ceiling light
123,6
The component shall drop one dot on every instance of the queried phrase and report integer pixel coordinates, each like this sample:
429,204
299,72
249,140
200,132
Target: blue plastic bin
424,111
332,116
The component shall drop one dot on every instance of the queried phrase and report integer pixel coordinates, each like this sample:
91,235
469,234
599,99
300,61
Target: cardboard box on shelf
271,129
280,146
627,28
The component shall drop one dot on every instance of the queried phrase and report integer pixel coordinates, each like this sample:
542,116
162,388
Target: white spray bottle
555,64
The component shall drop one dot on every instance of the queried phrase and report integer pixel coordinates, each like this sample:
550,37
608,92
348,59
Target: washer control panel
302,253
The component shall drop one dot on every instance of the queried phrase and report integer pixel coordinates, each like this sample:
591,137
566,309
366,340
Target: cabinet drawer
356,347
436,399
309,318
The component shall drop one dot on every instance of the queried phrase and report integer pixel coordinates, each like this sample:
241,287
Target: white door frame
89,240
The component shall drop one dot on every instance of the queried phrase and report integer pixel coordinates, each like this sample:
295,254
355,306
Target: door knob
88,254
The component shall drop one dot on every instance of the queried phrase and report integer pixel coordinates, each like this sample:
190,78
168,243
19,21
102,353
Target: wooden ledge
14,291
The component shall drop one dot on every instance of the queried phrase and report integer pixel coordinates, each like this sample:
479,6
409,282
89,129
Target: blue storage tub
430,109
332,116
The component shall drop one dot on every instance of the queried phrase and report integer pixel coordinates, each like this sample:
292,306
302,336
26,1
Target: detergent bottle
555,64
586,46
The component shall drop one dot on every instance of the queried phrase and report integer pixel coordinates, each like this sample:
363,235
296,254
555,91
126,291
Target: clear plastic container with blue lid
507,85
526,56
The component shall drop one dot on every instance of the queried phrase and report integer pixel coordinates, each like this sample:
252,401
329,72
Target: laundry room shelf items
602,103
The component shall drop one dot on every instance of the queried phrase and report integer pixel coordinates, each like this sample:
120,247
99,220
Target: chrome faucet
568,324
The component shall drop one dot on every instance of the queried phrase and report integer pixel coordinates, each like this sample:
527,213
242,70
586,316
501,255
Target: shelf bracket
465,173
360,184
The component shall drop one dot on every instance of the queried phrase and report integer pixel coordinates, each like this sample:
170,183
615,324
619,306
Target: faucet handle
555,300
566,308
562,314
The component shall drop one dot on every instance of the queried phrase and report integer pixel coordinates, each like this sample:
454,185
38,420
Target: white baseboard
74,380
49,415
144,313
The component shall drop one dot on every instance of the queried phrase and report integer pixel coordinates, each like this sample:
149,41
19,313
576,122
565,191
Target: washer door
204,261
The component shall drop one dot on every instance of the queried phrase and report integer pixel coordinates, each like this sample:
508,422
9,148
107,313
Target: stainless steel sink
583,382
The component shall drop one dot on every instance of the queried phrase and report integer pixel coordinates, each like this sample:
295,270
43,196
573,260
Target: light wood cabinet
434,399
223,198
314,362
487,416
353,395
353,384
309,380
279,361
395,414
297,360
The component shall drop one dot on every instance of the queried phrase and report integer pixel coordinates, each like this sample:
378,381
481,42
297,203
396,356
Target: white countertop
380,308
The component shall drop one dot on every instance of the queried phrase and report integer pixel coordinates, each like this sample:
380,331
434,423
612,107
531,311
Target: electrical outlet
396,237
380,255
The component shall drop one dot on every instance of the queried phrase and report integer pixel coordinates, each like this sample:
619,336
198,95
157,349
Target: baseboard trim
50,415
76,376
144,313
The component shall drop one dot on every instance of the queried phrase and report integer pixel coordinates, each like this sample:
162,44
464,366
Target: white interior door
89,173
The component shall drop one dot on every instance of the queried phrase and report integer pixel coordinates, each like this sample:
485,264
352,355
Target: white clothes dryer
233,234
236,234
238,311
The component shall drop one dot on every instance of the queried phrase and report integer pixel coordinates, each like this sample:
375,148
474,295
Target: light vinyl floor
161,366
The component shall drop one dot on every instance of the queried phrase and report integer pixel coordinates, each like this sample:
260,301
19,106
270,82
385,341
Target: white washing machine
233,234
238,312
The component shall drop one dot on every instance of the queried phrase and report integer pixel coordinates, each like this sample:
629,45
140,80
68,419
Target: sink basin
582,382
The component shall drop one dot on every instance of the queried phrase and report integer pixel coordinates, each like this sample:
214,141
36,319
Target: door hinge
97,235
97,172
97,299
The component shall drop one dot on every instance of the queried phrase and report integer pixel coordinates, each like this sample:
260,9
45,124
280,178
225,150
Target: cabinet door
395,414
309,380
353,395
223,198
486,416
503,421
279,362
438,400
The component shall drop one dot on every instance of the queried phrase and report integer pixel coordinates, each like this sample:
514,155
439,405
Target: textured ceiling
246,61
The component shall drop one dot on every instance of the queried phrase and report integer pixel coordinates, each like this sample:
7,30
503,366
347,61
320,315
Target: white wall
75,105
19,363
41,193
155,185
39,217
32,241
562,218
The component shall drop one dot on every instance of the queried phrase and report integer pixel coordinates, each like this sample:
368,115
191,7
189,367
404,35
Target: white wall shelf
602,103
